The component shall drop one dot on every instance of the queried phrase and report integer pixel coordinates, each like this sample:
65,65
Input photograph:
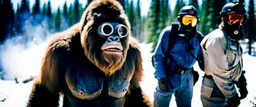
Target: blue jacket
181,56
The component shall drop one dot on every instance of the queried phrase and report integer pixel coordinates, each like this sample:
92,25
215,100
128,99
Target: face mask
233,30
188,31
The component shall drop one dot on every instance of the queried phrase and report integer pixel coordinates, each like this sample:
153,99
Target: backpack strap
172,37
171,40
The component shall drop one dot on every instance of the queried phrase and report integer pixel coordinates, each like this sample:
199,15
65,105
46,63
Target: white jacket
223,61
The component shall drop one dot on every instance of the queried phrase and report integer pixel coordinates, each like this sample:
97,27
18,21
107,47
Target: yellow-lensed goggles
187,19
234,17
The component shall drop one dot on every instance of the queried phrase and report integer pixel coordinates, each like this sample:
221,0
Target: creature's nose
113,39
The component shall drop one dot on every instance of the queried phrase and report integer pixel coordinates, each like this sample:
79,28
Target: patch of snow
16,95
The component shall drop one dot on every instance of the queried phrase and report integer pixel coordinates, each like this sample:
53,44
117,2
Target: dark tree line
251,24
144,27
15,22
6,19
208,14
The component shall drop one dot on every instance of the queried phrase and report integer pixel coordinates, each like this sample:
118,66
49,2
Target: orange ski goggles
234,17
187,19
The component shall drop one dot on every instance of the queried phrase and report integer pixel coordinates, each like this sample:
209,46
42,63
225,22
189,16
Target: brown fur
82,42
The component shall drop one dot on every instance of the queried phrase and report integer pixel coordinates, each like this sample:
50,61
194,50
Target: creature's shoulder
62,41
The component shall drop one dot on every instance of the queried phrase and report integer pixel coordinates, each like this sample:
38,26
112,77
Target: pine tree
36,8
10,17
76,12
206,17
194,3
131,14
144,28
6,19
49,10
217,6
178,6
37,16
202,16
71,15
165,14
48,17
44,10
16,18
251,25
65,10
153,23
58,20
23,16
150,22
138,22
65,21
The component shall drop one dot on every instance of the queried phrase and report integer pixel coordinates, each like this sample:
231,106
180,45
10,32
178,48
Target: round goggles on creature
187,19
235,17
107,29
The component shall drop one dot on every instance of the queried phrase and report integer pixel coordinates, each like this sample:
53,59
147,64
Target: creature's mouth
112,48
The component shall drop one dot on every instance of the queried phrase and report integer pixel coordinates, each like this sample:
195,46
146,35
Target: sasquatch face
105,32
112,48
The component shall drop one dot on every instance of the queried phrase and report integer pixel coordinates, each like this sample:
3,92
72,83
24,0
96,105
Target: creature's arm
45,91
135,96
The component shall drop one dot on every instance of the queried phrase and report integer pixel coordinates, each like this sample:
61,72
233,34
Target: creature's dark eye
105,29
122,31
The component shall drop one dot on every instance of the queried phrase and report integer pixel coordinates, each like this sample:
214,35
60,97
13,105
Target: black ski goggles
108,28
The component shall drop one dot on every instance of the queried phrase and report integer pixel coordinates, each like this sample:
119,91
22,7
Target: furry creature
94,63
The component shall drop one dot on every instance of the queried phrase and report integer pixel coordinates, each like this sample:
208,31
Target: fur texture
79,48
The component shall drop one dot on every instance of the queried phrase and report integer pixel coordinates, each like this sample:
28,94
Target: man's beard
233,31
188,31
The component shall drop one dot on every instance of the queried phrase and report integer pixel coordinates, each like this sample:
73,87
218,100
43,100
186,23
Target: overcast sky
59,3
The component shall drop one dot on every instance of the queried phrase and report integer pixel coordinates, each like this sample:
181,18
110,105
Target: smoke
20,56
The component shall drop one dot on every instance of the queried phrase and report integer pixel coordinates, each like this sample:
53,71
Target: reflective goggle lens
233,18
106,29
187,19
122,31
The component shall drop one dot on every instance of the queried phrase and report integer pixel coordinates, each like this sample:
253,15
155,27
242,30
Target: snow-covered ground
24,62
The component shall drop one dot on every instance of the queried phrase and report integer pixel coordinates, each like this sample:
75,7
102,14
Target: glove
195,75
164,84
233,102
242,86
243,92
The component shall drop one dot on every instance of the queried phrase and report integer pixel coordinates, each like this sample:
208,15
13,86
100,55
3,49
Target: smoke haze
21,55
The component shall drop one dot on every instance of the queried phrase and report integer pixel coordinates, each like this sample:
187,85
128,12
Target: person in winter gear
223,60
173,64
